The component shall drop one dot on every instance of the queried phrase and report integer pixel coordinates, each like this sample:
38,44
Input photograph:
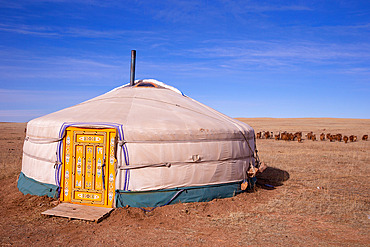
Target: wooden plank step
77,211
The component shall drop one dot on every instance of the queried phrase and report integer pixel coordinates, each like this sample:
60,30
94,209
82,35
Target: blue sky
243,58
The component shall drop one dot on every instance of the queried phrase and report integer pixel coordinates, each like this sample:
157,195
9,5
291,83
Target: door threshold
80,212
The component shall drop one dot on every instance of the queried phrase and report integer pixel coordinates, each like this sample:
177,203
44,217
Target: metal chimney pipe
133,61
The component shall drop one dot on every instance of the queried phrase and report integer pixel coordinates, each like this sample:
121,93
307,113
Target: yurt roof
146,114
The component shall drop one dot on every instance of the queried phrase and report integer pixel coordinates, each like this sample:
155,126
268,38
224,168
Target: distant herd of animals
286,136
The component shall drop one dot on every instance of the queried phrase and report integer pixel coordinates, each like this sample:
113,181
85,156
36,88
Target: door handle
103,173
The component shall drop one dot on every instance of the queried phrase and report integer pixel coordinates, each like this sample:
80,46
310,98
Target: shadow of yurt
272,177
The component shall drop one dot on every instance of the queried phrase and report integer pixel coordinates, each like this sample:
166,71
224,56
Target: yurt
142,145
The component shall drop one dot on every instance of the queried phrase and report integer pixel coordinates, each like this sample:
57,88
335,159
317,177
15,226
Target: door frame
68,171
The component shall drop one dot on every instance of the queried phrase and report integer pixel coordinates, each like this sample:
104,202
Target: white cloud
22,105
242,6
25,3
29,30
19,113
12,97
203,11
280,53
54,31
14,64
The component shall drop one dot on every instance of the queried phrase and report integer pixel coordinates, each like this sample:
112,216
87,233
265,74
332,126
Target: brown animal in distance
299,138
339,137
298,134
277,137
331,138
309,135
365,137
322,137
267,135
345,139
259,135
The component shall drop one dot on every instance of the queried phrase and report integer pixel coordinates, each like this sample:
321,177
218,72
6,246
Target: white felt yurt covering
170,140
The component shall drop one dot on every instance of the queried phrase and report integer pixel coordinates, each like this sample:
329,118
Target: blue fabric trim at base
153,198
187,194
30,186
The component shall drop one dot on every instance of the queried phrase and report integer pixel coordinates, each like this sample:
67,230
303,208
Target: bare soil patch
320,198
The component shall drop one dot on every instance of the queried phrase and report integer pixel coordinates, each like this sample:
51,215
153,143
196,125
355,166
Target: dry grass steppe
321,197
